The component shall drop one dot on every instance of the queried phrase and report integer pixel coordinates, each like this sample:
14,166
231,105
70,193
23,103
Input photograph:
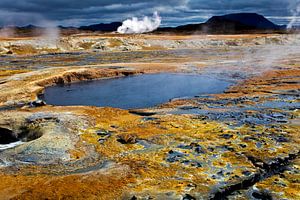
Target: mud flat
242,143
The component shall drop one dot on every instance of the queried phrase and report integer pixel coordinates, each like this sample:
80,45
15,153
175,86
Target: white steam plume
7,32
296,12
134,25
50,34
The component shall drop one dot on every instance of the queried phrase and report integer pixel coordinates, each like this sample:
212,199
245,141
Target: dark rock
192,163
150,118
246,173
225,191
182,146
37,103
258,145
127,139
187,107
243,145
220,173
211,149
3,82
174,156
199,149
2,162
192,185
226,136
281,139
193,144
249,138
133,198
188,197
103,132
101,140
142,112
262,195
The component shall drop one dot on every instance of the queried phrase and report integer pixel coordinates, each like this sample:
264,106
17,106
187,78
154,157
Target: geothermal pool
131,92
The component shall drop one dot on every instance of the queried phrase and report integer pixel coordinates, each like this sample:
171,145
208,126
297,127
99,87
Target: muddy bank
24,88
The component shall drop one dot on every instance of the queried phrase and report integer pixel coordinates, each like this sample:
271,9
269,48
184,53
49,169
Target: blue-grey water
140,91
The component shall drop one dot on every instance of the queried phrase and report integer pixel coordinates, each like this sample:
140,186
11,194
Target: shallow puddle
140,91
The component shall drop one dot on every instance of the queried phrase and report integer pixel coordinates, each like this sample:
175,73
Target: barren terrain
240,144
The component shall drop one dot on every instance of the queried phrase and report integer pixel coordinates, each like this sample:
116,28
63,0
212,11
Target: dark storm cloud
174,12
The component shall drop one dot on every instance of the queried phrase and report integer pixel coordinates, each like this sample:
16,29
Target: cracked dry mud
240,144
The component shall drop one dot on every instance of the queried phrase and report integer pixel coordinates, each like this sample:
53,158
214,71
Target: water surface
140,91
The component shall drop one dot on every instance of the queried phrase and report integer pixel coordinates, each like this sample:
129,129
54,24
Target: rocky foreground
241,144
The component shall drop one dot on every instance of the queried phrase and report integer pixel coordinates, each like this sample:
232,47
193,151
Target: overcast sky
173,12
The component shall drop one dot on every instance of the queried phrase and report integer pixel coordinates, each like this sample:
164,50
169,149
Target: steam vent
150,107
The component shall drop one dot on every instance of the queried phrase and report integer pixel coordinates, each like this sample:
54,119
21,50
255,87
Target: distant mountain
67,27
244,19
102,27
30,27
232,23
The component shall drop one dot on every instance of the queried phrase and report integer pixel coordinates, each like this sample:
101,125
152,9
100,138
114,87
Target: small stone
182,146
246,173
194,144
243,145
199,150
101,141
192,163
249,138
226,136
149,119
103,132
196,164
220,173
281,139
175,156
133,198
211,149
186,162
229,148
37,103
187,107
260,164
191,185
